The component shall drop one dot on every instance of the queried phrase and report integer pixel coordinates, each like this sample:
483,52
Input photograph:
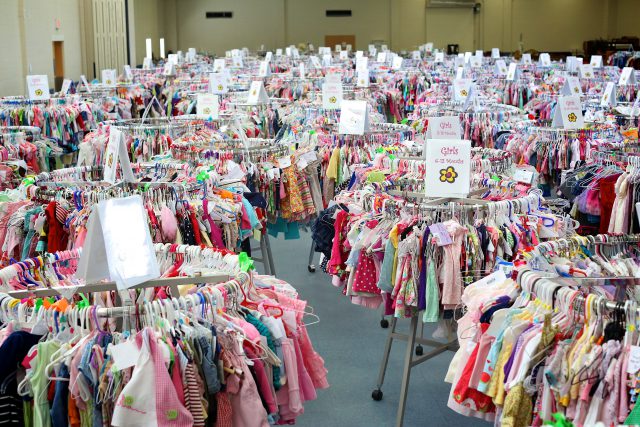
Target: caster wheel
419,350
311,268
384,323
377,395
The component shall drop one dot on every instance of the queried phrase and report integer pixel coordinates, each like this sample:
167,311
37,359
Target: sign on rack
85,83
362,63
219,65
475,61
526,59
545,60
627,76
586,71
331,95
264,69
207,106
439,57
66,85
257,93
445,127
501,68
596,61
363,77
147,63
218,83
126,70
609,96
119,245
354,118
495,53
109,77
315,61
512,72
568,113
117,154
447,167
461,89
38,87
572,87
301,70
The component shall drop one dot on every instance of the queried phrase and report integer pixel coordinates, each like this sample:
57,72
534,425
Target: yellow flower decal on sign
207,110
463,92
572,117
38,92
448,175
333,100
220,87
576,90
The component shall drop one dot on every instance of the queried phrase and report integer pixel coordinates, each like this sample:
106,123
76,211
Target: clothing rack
415,342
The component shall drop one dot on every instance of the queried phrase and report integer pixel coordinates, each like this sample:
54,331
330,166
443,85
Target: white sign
572,87
349,48
479,54
609,97
467,57
109,77
147,64
512,72
384,48
545,60
596,61
415,55
66,85
173,58
191,54
461,89
207,106
116,153
382,57
627,77
315,61
84,81
119,245
459,73
363,78
397,62
301,70
568,113
326,59
446,127
447,167
169,68
38,87
572,64
439,57
501,68
257,93
268,56
218,83
264,69
428,47
333,78
495,53
475,62
359,54
526,59
344,55
362,63
523,175
218,65
586,71
278,52
237,61
338,48
331,96
354,118
372,49
128,75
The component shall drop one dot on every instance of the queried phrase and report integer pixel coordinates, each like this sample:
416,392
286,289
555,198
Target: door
58,64
332,41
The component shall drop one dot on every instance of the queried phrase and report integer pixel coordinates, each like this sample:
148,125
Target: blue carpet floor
351,341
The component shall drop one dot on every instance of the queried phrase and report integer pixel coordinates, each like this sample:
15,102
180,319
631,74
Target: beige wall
254,22
148,22
11,74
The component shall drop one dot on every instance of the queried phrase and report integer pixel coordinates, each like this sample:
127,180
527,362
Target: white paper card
461,88
257,93
362,63
479,54
207,106
344,55
109,77
315,62
467,57
117,154
445,127
218,65
278,52
218,83
397,62
415,55
359,54
331,95
169,68
627,76
523,175
439,57
301,70
586,71
568,113
84,81
609,96
38,87
326,59
512,72
526,59
459,73
264,69
128,75
354,118
268,56
333,78
495,53
362,78
237,61
545,60
125,355
66,85
633,365
428,47
572,87
596,61
382,57
448,167
501,68
147,64
475,62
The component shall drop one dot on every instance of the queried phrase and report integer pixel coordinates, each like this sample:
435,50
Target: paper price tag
448,167
38,87
331,95
207,106
284,162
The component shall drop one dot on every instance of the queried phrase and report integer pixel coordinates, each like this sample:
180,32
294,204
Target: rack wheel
311,268
419,350
384,323
377,395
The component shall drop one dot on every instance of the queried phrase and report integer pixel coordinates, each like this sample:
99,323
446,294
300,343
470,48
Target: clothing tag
442,236
125,355
492,279
284,162
634,360
309,156
257,234
302,163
